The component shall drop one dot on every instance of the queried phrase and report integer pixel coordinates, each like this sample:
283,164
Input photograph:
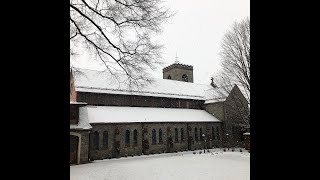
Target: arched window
176,135
185,78
196,134
96,140
213,135
135,137
201,135
127,138
154,136
105,139
160,136
169,77
182,138
218,134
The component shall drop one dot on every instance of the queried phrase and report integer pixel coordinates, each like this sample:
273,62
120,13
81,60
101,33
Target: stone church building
111,119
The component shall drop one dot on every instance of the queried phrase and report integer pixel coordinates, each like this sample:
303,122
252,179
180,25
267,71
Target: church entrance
169,144
74,142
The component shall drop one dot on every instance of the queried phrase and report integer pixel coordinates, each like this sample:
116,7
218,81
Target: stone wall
137,101
74,114
168,130
84,148
117,133
115,137
208,140
176,74
217,109
236,109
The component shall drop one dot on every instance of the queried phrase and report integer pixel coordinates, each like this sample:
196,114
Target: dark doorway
170,145
189,142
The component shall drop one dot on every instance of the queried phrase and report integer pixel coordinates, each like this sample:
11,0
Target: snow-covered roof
118,114
83,123
80,103
220,94
217,94
102,82
214,100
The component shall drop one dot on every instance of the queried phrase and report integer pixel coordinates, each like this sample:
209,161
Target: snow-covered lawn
216,165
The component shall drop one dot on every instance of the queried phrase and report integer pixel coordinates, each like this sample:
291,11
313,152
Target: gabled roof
102,82
220,94
117,114
217,94
245,93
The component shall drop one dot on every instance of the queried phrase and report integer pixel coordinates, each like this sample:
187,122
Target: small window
213,135
196,134
201,135
135,137
127,138
185,78
154,136
176,135
169,77
96,140
105,139
182,138
160,136
218,134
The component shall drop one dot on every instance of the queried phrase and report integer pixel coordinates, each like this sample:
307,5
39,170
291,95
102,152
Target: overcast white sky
195,34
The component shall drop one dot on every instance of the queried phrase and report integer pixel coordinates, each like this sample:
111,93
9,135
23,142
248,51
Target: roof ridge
150,92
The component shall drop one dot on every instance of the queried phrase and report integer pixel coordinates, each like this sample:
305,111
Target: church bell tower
178,72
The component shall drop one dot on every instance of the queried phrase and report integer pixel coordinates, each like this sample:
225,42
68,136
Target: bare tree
235,56
118,32
235,60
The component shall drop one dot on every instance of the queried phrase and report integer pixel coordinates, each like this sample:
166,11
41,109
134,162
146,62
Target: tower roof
179,65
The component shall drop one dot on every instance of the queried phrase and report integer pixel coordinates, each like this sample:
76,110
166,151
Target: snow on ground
216,165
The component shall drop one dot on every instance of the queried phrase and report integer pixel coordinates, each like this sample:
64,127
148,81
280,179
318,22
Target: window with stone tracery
135,137
105,139
160,136
154,136
127,138
185,78
96,140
